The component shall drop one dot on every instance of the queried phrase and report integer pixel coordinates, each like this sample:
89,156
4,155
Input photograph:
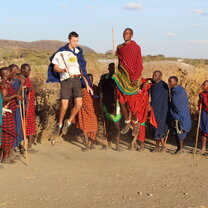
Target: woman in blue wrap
179,112
159,104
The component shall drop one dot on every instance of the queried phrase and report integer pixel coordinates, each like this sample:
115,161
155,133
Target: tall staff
198,126
23,118
113,51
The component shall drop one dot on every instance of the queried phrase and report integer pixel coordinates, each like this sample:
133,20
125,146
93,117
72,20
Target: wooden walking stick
104,124
22,113
62,56
113,52
133,143
166,138
198,126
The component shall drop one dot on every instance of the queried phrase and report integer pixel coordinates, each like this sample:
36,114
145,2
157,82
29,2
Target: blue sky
176,28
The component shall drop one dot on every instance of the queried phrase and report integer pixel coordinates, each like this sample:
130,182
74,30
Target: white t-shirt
71,61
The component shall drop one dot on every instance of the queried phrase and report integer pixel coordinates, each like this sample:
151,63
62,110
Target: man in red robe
30,107
128,78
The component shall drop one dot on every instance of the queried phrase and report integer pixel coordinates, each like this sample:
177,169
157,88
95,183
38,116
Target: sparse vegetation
191,73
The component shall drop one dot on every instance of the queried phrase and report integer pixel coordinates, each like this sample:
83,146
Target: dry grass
47,95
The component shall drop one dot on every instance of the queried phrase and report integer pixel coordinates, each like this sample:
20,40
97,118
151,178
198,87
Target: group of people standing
122,98
122,93
17,112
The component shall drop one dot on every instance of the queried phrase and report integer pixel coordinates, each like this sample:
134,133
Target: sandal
163,149
7,161
16,157
118,148
140,149
201,153
86,149
179,151
156,149
31,150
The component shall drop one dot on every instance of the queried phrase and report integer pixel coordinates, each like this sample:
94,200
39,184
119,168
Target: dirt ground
64,176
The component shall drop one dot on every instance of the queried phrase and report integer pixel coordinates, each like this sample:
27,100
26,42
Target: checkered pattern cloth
30,110
87,120
123,82
8,129
131,58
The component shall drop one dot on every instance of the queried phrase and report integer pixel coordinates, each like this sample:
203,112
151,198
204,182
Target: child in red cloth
143,108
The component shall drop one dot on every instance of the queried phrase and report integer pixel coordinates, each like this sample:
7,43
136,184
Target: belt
74,76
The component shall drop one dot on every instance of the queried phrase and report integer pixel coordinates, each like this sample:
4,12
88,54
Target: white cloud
12,20
64,6
198,25
200,11
90,7
199,41
170,34
133,6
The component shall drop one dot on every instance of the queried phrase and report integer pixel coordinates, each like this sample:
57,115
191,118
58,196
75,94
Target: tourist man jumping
68,67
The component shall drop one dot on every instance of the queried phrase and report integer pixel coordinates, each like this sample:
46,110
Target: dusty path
63,176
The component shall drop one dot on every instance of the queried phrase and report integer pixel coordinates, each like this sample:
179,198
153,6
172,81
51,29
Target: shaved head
130,30
128,34
205,85
157,76
5,72
173,81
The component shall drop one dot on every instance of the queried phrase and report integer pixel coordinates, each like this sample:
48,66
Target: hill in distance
41,45
38,52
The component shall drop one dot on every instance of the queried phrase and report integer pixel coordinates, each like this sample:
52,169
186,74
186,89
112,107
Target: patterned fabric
122,79
1,104
55,77
130,57
18,119
9,128
30,110
179,108
87,120
203,98
159,104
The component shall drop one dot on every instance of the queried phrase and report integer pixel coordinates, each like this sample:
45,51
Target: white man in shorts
70,65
